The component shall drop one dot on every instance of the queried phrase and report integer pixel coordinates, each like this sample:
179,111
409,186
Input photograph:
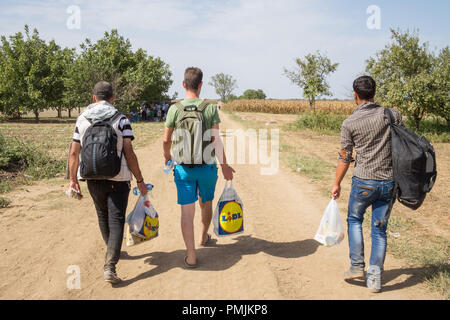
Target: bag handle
229,187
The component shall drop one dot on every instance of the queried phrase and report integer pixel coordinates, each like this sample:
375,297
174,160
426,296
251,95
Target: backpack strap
389,115
382,222
180,106
109,120
203,106
113,118
200,108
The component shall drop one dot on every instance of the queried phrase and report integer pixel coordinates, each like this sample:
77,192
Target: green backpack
190,128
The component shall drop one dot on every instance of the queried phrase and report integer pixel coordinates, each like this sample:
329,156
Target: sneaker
111,277
374,279
353,273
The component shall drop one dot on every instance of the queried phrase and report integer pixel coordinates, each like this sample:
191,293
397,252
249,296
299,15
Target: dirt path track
44,232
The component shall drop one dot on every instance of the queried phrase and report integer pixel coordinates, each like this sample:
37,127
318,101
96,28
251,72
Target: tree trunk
70,113
312,103
36,115
60,112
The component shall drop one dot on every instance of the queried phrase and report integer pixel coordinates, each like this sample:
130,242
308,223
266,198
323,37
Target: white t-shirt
123,130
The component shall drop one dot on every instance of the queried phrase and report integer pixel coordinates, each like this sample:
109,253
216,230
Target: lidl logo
151,226
231,217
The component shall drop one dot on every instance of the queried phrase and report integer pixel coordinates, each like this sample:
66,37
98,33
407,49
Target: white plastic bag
330,231
228,216
143,222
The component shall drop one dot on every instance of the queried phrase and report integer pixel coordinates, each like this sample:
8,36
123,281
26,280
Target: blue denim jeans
365,193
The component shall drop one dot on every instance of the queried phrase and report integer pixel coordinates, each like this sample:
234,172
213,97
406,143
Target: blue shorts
192,182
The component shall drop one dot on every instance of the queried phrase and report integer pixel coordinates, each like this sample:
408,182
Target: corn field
290,106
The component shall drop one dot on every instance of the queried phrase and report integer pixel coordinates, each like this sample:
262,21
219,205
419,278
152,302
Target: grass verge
308,166
4,202
434,129
428,255
35,151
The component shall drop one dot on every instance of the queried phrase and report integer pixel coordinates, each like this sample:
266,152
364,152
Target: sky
252,40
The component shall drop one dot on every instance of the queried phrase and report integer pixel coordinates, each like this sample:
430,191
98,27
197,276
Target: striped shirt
124,129
368,131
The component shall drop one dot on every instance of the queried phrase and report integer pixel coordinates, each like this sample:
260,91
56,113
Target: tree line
36,75
409,77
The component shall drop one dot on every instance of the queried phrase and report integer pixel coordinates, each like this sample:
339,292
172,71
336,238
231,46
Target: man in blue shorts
194,124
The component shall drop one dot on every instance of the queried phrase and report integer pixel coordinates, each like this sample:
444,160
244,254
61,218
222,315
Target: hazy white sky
250,39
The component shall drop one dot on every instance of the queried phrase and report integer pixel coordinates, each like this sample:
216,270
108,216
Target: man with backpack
368,131
102,153
192,129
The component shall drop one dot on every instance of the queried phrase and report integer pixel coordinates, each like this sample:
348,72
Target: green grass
434,129
319,122
5,187
311,167
18,156
4,202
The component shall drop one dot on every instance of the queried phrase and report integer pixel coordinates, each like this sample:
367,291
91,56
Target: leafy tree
311,74
35,75
230,98
31,74
135,76
253,94
406,76
77,83
224,85
441,106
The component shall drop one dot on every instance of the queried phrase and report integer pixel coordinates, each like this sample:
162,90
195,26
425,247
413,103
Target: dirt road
44,232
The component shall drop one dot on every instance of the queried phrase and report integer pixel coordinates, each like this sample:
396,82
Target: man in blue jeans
195,179
367,131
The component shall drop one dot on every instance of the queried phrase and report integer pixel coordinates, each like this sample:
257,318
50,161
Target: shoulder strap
389,115
203,106
200,108
113,118
180,106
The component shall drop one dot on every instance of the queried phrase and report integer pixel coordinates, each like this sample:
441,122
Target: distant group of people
155,112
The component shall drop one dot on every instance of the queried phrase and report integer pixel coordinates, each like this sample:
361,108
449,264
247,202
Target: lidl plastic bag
228,216
330,231
143,222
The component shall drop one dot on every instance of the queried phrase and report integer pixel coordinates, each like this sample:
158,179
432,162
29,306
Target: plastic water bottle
136,189
168,167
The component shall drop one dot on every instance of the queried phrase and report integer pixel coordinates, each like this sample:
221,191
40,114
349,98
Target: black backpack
414,164
99,159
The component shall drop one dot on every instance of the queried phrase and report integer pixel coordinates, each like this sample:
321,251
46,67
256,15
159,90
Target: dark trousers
111,200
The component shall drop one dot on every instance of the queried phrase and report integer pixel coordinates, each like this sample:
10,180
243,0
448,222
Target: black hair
365,87
103,91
